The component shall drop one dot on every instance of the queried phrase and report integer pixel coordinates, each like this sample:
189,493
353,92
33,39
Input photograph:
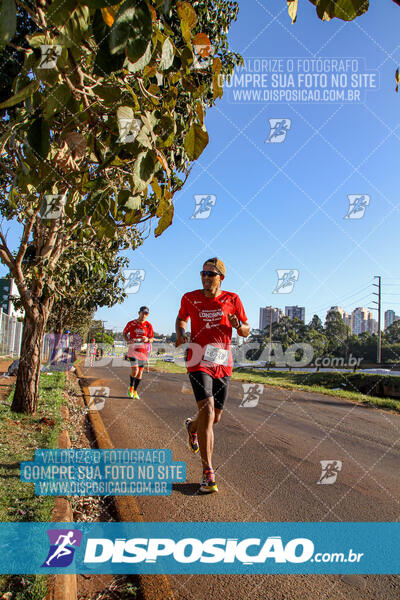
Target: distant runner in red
213,313
139,334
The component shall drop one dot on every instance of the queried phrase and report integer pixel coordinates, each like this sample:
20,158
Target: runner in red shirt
213,313
139,335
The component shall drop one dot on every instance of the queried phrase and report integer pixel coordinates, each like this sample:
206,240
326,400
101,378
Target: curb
62,587
152,587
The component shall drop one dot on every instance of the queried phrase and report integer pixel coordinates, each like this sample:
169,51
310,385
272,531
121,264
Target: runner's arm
125,334
239,319
243,329
180,329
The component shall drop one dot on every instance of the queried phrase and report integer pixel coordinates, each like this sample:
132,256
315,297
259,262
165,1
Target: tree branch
24,241
10,260
28,10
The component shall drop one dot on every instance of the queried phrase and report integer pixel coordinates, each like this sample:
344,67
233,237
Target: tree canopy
104,119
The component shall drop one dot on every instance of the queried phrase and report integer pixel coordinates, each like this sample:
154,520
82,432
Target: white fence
10,335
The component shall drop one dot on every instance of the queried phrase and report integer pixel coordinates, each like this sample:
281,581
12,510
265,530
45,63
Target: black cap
144,309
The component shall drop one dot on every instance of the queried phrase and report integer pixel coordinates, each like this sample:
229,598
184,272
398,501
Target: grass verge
20,436
352,385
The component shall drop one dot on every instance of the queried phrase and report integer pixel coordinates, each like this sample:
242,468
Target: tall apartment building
345,316
360,317
268,315
389,318
296,312
372,325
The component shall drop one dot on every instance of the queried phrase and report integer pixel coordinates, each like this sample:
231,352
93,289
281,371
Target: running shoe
131,392
136,395
193,443
208,484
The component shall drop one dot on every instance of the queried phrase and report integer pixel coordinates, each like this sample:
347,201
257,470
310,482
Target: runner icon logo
49,56
357,206
133,279
286,280
278,130
251,394
98,397
330,470
52,206
204,204
203,56
63,543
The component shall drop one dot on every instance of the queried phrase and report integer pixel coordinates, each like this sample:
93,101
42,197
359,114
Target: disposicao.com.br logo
200,548
213,550
62,547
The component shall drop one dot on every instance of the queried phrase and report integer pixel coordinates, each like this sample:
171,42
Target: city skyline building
269,315
296,312
360,318
345,315
389,318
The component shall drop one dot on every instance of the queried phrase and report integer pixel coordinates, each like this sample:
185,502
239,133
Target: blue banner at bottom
200,548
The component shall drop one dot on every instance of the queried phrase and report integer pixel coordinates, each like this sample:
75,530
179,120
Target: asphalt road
268,463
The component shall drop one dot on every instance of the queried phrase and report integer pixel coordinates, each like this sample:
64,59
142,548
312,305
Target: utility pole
379,303
102,333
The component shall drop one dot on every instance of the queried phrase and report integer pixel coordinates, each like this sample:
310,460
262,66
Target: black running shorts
135,362
205,386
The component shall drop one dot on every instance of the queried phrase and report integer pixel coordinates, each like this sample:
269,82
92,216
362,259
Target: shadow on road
187,489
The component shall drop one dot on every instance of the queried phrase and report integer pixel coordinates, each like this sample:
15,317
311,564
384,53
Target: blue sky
282,205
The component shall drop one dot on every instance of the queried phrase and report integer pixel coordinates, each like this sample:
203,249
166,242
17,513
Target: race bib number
219,356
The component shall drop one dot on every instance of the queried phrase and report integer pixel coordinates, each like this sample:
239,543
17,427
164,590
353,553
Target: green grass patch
167,367
363,388
357,387
20,436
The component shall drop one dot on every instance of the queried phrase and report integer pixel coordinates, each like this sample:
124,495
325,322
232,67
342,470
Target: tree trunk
27,384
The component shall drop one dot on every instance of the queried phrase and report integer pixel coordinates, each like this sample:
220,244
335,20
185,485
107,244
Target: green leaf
156,188
133,203
38,137
165,210
195,141
186,32
109,94
167,55
56,101
139,65
131,30
187,14
60,11
292,9
397,78
347,10
21,94
143,138
143,170
105,63
74,30
37,39
127,201
8,21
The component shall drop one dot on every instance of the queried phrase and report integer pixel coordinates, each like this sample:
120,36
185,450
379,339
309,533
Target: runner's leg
205,433
220,392
138,378
134,372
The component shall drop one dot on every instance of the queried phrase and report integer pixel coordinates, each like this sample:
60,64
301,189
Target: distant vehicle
168,358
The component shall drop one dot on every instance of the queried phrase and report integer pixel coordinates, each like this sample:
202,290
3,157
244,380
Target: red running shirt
210,326
134,330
